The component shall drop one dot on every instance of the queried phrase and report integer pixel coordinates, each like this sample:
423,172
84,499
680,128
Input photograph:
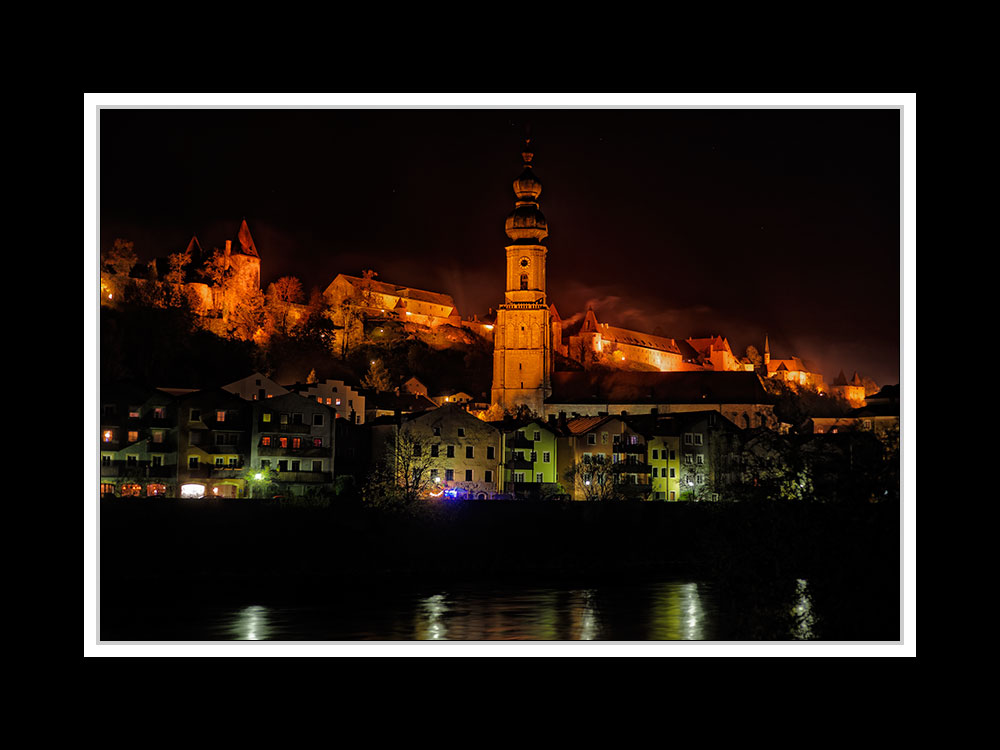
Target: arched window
524,281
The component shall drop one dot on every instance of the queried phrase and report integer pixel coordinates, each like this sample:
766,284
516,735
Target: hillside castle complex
540,361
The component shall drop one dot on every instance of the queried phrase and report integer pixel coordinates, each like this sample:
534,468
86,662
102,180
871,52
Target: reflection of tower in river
677,613
531,615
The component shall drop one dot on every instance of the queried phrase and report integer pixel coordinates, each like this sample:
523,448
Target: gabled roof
638,338
706,345
581,425
394,290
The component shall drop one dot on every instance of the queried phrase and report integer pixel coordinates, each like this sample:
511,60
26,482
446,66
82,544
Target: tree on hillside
121,258
754,356
177,264
248,318
378,377
281,295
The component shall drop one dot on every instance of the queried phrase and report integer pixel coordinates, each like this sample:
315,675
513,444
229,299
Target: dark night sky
681,221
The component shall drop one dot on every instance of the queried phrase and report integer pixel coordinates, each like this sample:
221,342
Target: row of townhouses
255,438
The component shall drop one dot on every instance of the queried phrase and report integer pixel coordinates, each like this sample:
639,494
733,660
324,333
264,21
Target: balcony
139,470
631,448
305,477
522,442
303,451
520,464
276,428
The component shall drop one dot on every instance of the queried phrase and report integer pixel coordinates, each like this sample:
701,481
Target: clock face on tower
524,262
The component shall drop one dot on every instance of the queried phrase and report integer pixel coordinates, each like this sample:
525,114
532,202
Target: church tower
522,336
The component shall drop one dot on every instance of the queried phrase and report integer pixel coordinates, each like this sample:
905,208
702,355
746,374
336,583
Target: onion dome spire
526,224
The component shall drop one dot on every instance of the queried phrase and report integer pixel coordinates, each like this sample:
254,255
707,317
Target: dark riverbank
235,550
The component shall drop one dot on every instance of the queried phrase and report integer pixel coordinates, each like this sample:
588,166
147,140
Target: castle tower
245,263
522,343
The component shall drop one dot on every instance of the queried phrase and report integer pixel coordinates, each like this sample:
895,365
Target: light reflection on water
663,611
802,611
669,611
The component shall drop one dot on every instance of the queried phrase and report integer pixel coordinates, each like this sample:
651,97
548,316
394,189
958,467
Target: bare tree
404,474
594,477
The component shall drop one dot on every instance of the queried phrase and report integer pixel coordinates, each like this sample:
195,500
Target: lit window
157,436
109,436
266,417
133,436
317,442
283,442
160,413
220,416
338,402
266,440
296,442
133,412
131,490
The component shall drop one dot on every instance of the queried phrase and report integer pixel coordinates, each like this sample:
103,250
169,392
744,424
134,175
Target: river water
664,610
